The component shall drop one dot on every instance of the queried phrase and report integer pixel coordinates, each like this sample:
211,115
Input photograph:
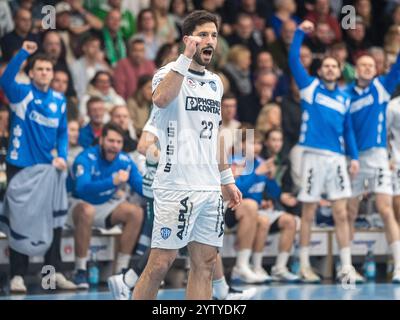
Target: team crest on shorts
213,85
165,233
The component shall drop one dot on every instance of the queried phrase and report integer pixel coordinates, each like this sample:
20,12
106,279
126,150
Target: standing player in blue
38,126
369,99
325,132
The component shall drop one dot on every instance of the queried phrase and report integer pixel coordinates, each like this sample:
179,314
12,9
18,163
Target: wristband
227,177
182,65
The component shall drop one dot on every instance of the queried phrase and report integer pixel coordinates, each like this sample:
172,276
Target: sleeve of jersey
159,76
84,186
392,79
349,137
300,74
15,92
136,179
62,141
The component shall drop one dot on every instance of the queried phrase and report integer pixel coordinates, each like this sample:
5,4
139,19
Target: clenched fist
191,43
307,26
30,46
120,177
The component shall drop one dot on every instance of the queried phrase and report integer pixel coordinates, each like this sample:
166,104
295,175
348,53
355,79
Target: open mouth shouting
207,52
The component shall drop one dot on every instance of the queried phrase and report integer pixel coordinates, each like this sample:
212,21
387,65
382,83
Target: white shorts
375,175
181,217
324,174
396,180
103,211
272,215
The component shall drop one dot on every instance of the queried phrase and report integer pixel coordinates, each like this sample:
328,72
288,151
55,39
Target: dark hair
90,38
39,57
143,80
329,57
93,99
270,131
198,18
171,7
162,52
228,95
135,41
111,126
140,19
98,74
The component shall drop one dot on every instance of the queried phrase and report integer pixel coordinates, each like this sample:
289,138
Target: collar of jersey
197,73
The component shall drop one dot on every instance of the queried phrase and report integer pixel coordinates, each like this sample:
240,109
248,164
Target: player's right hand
120,177
30,46
307,26
191,43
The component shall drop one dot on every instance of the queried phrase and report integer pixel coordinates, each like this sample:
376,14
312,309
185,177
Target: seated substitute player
100,175
253,183
326,134
188,204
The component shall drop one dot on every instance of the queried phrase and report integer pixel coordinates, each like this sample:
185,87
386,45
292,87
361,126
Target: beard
197,57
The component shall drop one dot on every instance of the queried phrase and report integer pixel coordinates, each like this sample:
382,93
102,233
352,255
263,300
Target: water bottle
94,272
295,265
370,265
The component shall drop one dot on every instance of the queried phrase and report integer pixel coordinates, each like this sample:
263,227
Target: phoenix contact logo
202,104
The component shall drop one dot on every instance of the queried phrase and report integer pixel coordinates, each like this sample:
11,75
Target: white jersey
188,133
393,128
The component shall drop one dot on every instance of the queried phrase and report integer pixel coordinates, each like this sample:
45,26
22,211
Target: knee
386,211
205,264
247,210
84,213
340,215
288,222
132,213
263,223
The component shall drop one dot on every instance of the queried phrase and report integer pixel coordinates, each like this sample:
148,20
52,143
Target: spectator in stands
250,106
284,10
34,7
392,44
291,118
339,52
166,28
101,86
258,11
230,125
179,9
357,43
380,59
84,69
112,38
6,21
52,46
321,12
120,116
128,20
82,20
147,32
73,146
167,53
12,41
139,105
280,47
364,10
100,176
89,135
60,84
33,142
270,117
245,34
237,70
128,70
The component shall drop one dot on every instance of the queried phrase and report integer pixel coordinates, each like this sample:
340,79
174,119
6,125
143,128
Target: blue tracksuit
326,123
368,108
38,119
93,175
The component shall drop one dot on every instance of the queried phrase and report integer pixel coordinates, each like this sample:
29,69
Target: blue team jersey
252,186
368,108
326,123
38,119
92,175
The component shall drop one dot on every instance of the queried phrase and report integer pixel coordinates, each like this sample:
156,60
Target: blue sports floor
369,291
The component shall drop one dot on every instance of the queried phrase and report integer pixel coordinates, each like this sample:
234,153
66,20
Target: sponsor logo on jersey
42,120
203,104
165,233
213,85
191,83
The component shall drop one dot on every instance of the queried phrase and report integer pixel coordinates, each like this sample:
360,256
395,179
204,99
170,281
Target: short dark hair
111,126
228,95
93,99
270,131
39,57
198,18
135,41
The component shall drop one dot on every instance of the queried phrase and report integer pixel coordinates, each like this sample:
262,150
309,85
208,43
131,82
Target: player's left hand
354,168
59,163
232,194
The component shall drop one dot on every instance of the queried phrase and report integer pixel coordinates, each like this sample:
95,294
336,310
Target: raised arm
300,74
392,79
13,90
166,87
